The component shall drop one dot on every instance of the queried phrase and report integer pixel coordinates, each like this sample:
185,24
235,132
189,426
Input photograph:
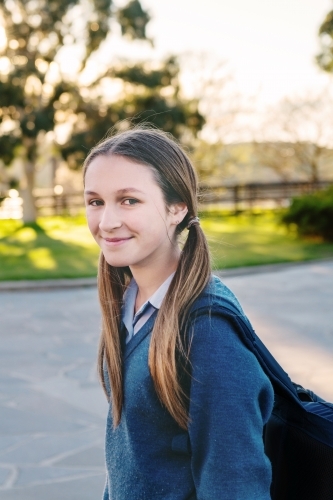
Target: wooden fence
234,197
48,203
256,194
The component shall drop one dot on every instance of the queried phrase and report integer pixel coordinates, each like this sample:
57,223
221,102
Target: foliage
312,214
35,32
143,100
62,247
38,96
133,20
325,58
34,101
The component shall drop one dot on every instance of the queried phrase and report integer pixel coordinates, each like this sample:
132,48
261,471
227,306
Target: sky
268,45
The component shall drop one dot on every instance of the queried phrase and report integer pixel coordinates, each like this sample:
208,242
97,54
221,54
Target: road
52,409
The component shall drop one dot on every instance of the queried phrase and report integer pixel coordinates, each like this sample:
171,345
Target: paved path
292,312
52,410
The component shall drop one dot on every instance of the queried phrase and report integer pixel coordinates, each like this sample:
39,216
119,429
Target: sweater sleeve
230,401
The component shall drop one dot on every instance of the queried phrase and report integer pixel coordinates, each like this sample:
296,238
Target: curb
63,284
266,268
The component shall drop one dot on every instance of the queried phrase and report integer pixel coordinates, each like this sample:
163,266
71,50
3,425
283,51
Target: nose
110,220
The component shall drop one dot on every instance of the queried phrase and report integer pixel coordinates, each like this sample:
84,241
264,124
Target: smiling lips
116,241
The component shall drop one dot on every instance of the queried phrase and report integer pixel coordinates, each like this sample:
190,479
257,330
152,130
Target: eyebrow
126,190
119,191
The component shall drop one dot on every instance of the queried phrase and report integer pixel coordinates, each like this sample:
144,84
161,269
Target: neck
150,279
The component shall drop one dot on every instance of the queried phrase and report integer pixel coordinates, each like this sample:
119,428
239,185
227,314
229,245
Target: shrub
312,214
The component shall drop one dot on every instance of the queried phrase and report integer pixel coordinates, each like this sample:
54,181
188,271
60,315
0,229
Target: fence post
236,197
57,204
64,204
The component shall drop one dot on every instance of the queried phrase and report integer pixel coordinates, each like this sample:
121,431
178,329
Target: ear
178,211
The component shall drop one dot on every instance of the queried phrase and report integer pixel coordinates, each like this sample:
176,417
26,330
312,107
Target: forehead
117,172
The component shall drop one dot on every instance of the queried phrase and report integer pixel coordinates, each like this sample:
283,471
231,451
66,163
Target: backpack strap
279,378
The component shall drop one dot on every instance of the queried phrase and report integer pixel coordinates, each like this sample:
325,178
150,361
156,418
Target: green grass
62,247
251,239
55,247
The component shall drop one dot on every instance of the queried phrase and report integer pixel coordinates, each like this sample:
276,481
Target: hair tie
194,221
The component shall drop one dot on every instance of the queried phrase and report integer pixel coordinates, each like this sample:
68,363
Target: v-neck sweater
221,455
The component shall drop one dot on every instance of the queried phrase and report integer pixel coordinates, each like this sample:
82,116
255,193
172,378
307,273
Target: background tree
223,164
296,139
278,156
217,150
37,96
325,57
146,94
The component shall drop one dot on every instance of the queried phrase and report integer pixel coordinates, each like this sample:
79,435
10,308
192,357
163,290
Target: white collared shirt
133,322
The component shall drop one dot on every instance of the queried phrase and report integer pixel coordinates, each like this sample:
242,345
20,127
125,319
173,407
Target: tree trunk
314,174
29,208
314,163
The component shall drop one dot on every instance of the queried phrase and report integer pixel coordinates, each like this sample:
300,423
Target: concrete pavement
292,312
52,409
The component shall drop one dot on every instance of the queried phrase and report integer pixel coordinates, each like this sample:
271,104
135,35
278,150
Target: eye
130,201
96,203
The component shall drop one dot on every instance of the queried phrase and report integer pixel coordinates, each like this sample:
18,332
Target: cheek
156,231
141,222
92,221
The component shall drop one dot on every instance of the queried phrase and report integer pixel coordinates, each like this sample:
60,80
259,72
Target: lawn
62,247
251,239
55,247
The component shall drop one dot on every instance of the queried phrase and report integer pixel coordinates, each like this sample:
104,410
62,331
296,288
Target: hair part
168,355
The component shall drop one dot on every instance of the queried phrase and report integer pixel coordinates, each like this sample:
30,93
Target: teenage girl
188,401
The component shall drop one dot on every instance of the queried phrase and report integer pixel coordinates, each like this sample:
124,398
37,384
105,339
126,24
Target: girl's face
127,214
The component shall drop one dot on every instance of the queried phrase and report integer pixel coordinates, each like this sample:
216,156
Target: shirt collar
157,298
130,296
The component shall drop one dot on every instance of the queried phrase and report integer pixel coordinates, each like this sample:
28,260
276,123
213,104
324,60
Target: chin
120,260
116,262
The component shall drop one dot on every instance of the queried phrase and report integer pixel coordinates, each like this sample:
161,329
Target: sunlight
70,59
41,258
62,132
4,64
3,38
33,86
11,208
25,235
11,251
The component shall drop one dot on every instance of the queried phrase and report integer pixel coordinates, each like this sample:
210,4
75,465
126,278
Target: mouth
116,241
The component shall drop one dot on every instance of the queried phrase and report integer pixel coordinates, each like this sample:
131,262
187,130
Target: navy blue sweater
148,456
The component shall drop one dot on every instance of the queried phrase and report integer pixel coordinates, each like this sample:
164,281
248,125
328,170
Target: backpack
298,437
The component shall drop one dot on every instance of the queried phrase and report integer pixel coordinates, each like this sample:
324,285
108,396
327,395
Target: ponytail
167,342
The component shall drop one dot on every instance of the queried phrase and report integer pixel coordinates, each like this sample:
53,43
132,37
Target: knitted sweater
221,456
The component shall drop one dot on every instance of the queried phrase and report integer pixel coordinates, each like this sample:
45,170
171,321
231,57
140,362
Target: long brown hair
176,177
